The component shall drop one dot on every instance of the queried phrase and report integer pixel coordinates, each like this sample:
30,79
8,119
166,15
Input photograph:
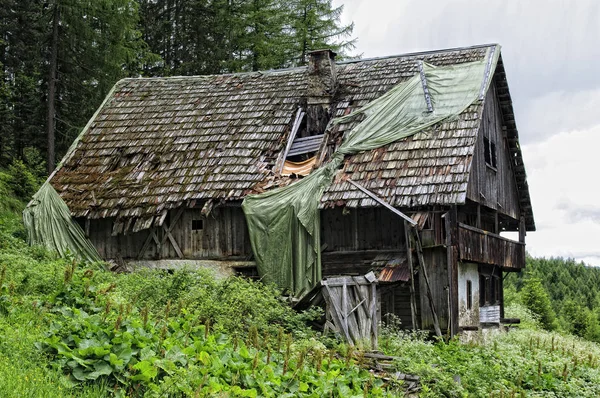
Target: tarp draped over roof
49,223
284,223
47,217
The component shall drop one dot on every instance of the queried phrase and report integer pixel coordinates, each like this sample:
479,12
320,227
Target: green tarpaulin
47,217
284,223
49,223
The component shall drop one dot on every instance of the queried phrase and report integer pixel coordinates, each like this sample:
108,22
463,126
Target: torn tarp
284,223
47,217
49,223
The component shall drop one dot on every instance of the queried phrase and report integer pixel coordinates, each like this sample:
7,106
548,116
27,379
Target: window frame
490,152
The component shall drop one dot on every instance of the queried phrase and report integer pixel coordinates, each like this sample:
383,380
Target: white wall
466,272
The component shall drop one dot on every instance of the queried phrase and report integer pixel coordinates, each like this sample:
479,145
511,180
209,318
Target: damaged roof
161,143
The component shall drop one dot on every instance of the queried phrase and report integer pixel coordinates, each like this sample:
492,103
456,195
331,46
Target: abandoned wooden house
162,168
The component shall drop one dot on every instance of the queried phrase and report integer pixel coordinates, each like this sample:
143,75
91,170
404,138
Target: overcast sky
551,52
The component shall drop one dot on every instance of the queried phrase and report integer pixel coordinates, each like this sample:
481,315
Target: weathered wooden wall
494,188
114,247
436,262
395,299
488,248
353,241
223,236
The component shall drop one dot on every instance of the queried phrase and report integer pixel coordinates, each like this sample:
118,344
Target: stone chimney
322,84
322,81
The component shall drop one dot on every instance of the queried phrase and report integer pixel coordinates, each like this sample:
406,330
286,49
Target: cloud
559,111
564,186
576,213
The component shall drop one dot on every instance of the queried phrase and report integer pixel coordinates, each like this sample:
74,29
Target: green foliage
537,301
316,25
522,362
572,291
206,37
73,329
25,176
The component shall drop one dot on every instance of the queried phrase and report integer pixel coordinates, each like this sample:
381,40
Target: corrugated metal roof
394,273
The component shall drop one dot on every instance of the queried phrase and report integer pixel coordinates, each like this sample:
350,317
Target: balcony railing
488,248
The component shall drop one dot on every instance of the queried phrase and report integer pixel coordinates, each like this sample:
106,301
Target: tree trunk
52,90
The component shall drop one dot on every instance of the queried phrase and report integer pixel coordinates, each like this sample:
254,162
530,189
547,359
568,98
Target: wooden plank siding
494,188
437,269
395,299
352,241
223,236
487,248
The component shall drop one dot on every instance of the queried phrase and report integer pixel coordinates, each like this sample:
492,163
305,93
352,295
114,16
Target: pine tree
537,301
21,63
316,25
92,44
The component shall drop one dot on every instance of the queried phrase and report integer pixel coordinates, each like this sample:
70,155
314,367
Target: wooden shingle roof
160,143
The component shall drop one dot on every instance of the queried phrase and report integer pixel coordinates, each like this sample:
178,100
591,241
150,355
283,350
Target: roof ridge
299,68
410,54
257,73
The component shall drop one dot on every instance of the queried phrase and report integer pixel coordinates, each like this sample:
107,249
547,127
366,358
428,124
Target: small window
469,295
489,152
197,225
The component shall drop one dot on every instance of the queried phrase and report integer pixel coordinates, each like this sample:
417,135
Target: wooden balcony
488,248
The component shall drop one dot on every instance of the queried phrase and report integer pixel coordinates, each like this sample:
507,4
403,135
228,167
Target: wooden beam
374,341
383,202
496,224
424,86
336,312
451,219
345,304
522,230
172,240
168,234
151,234
295,127
413,303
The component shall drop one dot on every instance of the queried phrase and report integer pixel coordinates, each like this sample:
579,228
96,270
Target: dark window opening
489,290
469,295
489,152
197,225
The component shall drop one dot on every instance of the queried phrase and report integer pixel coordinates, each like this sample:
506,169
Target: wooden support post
345,304
413,304
522,231
436,322
451,219
478,216
374,341
496,223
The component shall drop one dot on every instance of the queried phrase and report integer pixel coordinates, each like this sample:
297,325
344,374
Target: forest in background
563,292
59,58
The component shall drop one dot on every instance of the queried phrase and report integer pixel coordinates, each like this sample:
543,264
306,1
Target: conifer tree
316,25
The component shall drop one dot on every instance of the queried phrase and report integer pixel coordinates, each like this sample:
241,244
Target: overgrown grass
525,361
76,330
72,329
